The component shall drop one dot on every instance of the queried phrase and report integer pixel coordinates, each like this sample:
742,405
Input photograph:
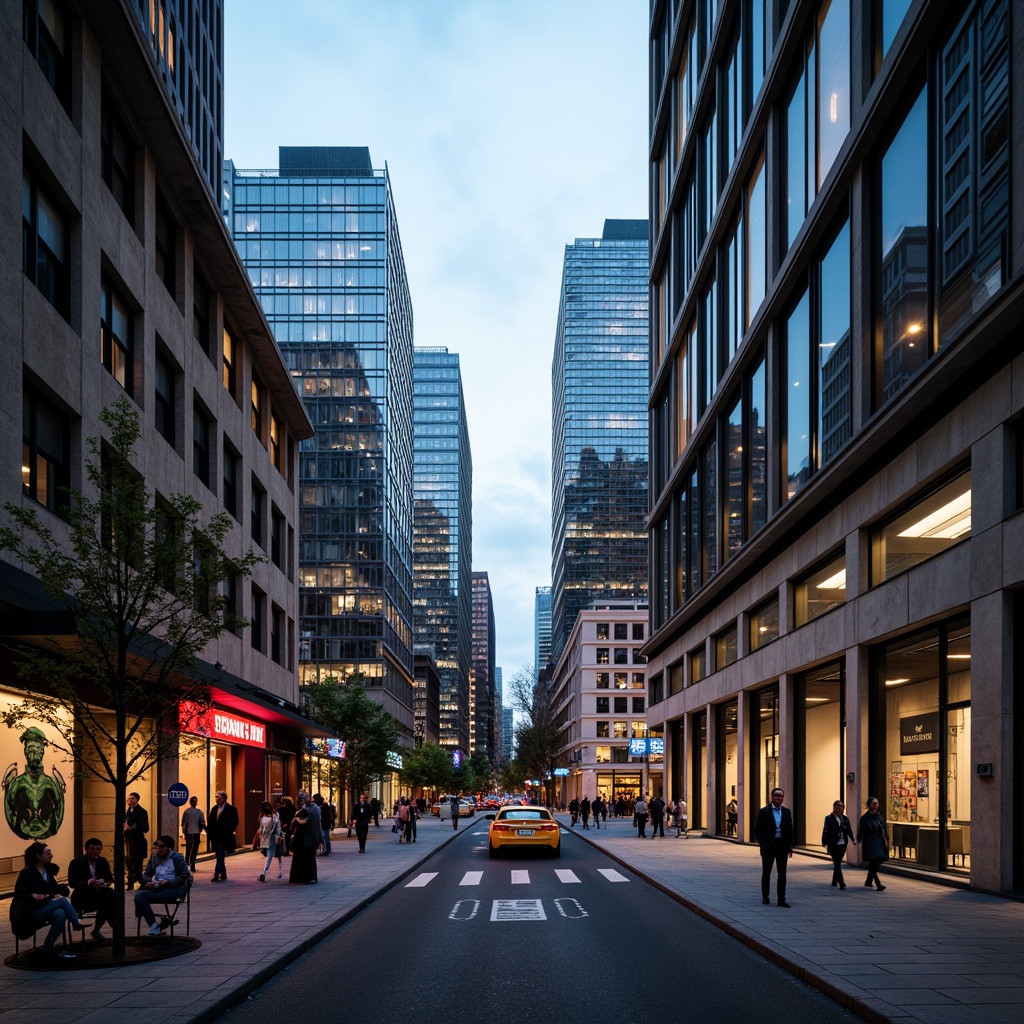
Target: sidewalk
249,931
919,952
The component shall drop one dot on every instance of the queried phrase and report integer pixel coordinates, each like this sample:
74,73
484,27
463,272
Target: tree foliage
427,767
538,737
139,585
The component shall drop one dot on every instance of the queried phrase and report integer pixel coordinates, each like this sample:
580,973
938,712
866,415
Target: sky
509,128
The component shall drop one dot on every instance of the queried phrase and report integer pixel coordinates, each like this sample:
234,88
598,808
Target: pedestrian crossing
519,876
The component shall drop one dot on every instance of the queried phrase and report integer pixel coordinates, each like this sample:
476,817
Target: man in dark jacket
136,845
222,822
92,884
656,808
773,829
361,815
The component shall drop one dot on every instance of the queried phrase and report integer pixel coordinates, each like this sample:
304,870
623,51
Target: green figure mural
33,801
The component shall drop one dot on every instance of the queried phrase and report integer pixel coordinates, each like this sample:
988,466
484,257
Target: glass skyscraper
319,238
541,628
482,731
599,383
443,533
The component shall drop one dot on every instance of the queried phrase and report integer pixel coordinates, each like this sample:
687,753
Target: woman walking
874,842
268,839
836,835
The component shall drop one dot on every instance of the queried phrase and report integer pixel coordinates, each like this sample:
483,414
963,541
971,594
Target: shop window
726,723
932,525
202,434
603,755
820,725
602,655
602,680
602,730
45,451
601,705
675,678
620,680
820,591
117,159
231,463
620,731
764,624
638,681
621,655
725,647
46,33
165,387
619,705
116,328
45,238
764,739
697,665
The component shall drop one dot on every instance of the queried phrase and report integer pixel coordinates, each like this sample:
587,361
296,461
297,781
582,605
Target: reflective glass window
820,591
797,439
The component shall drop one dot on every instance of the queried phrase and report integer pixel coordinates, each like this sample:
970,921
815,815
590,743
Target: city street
467,938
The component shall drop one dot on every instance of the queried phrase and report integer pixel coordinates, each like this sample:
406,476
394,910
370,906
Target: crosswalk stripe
471,878
566,876
420,880
520,877
612,875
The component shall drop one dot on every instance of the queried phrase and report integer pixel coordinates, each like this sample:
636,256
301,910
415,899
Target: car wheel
557,851
492,852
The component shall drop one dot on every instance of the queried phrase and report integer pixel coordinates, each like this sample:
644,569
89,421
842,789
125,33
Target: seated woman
39,899
166,879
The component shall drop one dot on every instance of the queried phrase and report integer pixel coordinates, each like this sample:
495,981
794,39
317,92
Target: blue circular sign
177,794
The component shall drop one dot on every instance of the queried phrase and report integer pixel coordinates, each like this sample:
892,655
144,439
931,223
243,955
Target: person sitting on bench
166,879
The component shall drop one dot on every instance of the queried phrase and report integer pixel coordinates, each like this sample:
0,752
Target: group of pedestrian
776,837
406,813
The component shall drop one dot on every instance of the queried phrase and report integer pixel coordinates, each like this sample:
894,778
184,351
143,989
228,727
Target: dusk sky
509,128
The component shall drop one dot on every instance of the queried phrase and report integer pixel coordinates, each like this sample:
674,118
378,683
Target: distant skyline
508,130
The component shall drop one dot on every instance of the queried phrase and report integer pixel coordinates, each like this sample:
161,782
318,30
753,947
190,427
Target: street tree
427,767
138,585
538,736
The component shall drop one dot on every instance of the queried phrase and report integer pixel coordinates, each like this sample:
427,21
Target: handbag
394,828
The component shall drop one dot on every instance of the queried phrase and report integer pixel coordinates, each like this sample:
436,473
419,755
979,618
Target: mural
33,800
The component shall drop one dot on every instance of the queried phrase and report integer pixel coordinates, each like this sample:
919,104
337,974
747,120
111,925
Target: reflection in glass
757,242
764,624
833,82
734,496
757,432
798,400
834,399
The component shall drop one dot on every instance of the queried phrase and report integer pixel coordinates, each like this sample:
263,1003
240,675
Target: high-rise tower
599,425
443,533
319,237
541,628
482,732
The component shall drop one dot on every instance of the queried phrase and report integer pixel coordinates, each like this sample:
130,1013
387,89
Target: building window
230,357
201,314
929,527
164,388
164,241
601,705
621,630
638,681
697,665
46,34
257,513
602,680
602,730
602,655
117,159
764,624
202,432
231,611
603,755
45,451
675,678
258,622
276,451
116,335
638,631
620,680
45,243
277,530
656,692
619,705
797,431
277,635
725,647
638,705
621,656
820,591
256,400
888,16
601,630
620,731
756,248
231,461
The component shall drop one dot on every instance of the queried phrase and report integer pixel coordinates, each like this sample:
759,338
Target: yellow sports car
523,828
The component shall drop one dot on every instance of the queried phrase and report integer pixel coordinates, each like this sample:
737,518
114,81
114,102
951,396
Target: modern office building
443,533
508,734
319,237
130,287
483,734
541,627
186,41
837,305
599,688
427,696
599,426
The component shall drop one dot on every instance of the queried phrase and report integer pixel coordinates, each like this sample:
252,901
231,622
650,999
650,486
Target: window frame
35,247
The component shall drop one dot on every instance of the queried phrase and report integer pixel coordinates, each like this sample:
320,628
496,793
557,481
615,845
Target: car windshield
525,814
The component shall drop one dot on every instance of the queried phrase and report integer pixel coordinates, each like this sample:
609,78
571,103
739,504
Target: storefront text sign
221,725
919,734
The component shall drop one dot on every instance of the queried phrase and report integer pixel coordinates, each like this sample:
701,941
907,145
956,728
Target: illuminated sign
336,749
221,725
561,771
456,758
394,760
643,747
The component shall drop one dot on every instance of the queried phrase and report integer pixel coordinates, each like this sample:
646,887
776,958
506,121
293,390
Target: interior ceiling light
950,521
895,682
834,582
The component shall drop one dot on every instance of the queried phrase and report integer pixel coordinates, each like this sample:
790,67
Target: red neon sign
222,725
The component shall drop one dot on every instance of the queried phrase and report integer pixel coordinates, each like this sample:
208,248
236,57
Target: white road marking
458,914
520,878
612,875
421,880
566,876
471,878
570,908
517,910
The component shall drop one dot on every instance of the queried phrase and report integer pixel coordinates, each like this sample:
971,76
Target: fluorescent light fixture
959,657
950,521
836,582
895,682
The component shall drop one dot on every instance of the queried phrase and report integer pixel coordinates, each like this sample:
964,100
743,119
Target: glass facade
319,239
483,697
599,425
443,532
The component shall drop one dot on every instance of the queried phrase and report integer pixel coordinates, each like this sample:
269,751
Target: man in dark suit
92,884
136,845
361,815
836,835
222,822
773,829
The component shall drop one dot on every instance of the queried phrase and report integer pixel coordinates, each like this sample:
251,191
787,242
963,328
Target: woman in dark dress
303,846
286,811
39,899
874,842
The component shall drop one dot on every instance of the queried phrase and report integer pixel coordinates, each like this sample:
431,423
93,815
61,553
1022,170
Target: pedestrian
267,840
836,835
375,805
326,822
286,811
223,820
682,819
620,807
193,824
656,809
873,839
454,805
410,824
640,817
596,807
307,837
402,820
361,815
732,817
136,846
585,811
773,830
574,812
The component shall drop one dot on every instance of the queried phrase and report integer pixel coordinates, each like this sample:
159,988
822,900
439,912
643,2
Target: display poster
38,789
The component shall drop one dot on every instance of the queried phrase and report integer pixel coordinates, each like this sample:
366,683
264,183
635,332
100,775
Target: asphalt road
531,939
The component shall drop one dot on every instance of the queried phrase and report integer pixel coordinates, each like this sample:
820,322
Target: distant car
466,809
492,803
523,828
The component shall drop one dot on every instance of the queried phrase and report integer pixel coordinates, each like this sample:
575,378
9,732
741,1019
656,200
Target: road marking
520,878
571,909
517,910
471,878
420,880
612,875
566,876
459,915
